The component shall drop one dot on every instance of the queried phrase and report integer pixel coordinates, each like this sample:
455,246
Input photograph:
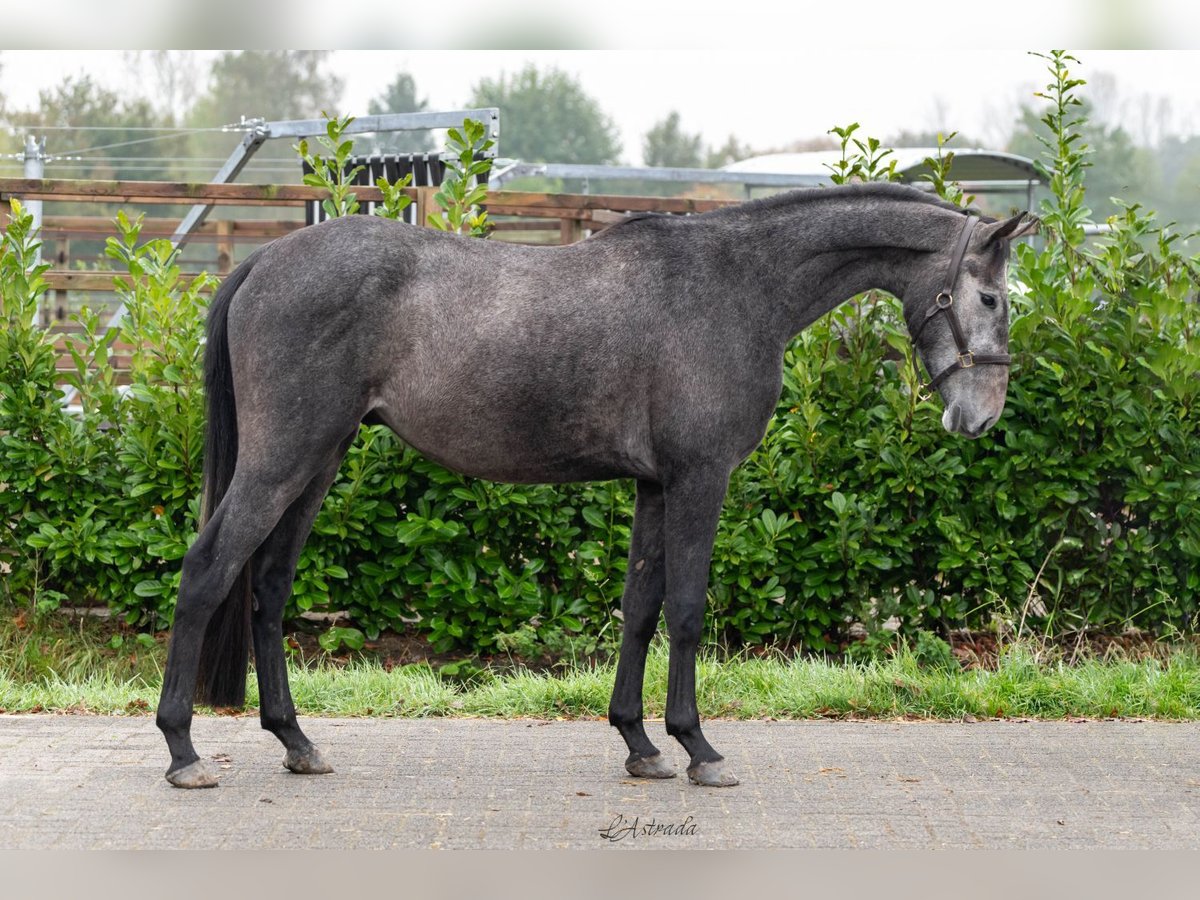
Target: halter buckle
949,300
966,360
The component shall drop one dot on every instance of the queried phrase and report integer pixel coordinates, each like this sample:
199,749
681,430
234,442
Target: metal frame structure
751,176
259,131
510,169
34,158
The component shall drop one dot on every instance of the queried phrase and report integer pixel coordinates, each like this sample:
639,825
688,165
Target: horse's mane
880,190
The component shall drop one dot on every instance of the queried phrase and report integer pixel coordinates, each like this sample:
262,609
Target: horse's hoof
712,774
649,767
309,762
200,774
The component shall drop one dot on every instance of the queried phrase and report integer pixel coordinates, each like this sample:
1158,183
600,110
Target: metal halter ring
966,360
949,300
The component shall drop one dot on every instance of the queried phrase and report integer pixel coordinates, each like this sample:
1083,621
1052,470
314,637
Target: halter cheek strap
944,303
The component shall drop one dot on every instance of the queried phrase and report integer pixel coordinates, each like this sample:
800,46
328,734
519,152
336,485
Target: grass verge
64,671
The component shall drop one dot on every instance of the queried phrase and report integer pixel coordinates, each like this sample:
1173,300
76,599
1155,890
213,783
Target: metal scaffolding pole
259,131
262,131
35,167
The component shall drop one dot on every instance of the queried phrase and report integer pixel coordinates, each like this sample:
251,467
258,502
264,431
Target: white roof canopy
969,165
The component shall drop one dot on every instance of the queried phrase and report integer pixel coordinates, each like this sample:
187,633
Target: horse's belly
521,451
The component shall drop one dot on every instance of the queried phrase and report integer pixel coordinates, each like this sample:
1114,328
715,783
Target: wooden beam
425,204
91,281
52,189
529,224
164,226
224,247
570,231
497,201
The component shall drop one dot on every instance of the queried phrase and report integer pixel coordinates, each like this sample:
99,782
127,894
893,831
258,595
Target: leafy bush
102,505
1078,509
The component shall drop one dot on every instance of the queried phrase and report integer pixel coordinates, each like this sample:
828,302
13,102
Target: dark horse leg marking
247,514
640,605
693,505
274,571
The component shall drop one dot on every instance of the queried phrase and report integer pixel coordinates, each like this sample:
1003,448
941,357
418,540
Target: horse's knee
640,610
640,626
685,628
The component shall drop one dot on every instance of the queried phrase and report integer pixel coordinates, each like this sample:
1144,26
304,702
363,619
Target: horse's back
505,361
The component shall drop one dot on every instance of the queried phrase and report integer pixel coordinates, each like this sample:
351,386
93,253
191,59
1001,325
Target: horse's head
957,312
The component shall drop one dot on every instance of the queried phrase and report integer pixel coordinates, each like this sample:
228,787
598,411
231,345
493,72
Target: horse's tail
225,654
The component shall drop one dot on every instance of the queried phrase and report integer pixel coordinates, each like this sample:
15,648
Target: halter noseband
944,302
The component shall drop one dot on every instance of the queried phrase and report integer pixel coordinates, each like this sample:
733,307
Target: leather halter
944,302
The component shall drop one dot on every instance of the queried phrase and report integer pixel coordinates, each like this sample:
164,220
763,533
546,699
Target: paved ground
96,782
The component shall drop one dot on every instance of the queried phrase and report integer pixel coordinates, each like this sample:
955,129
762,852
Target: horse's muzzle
957,418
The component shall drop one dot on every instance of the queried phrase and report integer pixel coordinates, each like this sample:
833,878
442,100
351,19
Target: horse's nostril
978,430
952,420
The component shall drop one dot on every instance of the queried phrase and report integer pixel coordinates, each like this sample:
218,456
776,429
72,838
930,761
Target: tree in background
171,80
730,152
175,91
1117,167
547,117
120,150
401,97
1179,163
8,141
928,138
1184,191
273,84
667,144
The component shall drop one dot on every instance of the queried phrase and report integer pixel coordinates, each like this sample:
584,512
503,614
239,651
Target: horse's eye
989,300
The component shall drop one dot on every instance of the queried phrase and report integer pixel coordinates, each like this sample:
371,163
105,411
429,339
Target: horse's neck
824,281
817,255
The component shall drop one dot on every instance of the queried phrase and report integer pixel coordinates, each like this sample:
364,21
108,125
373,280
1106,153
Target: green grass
67,670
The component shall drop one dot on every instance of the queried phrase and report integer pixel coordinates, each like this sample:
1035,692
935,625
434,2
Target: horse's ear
1010,229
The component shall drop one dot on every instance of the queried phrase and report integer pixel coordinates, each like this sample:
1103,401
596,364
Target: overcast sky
764,98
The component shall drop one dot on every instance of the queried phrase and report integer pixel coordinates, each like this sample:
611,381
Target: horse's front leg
640,604
693,506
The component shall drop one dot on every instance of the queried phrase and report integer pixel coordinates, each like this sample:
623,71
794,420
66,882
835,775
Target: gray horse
651,351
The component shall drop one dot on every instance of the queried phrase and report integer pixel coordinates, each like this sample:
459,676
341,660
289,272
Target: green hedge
1078,509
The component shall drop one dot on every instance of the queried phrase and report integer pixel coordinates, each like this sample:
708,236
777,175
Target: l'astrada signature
622,827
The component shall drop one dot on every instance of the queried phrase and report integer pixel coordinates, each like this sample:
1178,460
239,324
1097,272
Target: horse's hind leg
246,515
274,569
640,606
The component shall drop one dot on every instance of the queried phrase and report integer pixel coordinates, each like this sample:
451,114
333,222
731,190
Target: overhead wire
149,140
123,128
173,132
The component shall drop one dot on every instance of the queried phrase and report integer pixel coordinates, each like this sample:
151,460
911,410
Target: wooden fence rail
576,206
520,216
